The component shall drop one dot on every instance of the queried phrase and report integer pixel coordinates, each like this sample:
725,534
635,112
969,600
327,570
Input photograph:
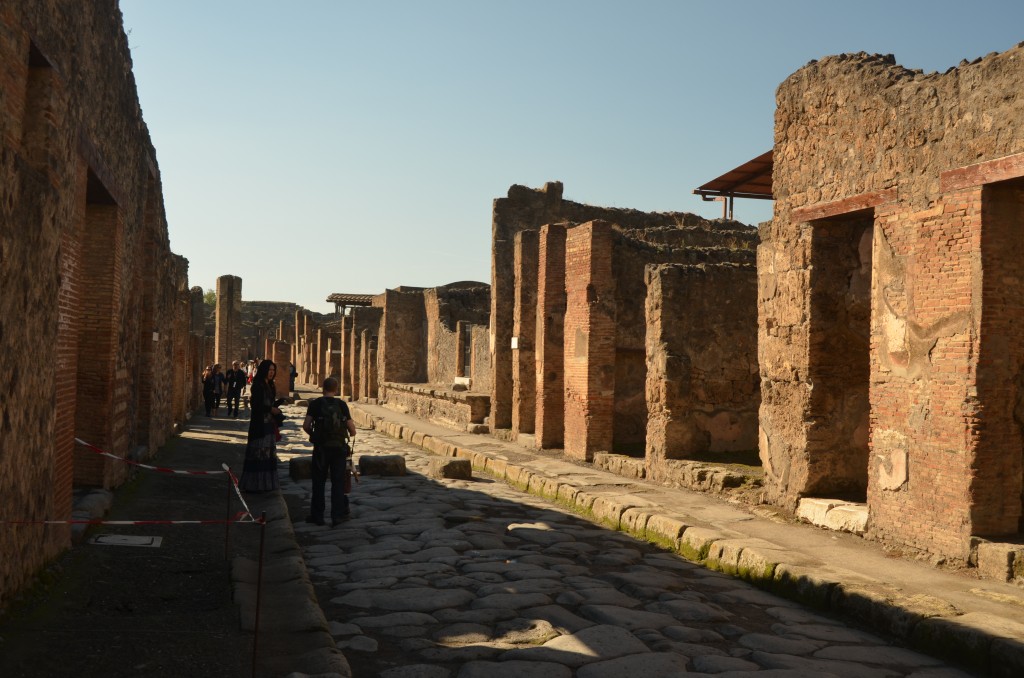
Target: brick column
524,328
281,352
345,374
549,348
590,340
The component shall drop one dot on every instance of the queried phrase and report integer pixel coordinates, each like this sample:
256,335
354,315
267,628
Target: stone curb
930,625
289,609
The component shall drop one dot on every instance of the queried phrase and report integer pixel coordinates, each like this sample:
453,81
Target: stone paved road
475,579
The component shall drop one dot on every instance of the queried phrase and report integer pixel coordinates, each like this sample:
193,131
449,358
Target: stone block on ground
300,468
382,465
444,467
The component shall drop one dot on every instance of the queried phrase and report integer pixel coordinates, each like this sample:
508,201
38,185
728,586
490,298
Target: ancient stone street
437,578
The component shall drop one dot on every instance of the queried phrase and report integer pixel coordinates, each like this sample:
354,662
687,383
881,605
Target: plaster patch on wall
890,456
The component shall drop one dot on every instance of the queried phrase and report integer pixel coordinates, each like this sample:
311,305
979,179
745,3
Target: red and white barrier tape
238,490
240,517
161,469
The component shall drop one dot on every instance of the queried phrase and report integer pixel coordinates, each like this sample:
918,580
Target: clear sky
332,146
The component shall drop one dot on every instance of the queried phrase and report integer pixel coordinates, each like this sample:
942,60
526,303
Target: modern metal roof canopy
341,300
752,179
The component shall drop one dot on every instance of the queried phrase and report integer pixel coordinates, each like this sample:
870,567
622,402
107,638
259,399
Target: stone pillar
371,367
524,328
357,367
549,349
319,356
364,363
281,352
229,319
197,311
589,340
345,373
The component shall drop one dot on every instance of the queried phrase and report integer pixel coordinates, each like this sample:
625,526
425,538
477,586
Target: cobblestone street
467,579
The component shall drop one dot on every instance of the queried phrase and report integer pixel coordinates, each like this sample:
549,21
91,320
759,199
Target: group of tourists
229,385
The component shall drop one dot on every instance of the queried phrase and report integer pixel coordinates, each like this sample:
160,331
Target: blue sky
330,146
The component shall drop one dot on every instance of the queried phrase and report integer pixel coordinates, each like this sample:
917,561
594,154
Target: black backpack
330,426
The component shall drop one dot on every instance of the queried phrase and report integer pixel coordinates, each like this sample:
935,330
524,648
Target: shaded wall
91,288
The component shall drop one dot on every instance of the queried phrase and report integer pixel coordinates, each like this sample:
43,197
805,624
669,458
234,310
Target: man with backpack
329,426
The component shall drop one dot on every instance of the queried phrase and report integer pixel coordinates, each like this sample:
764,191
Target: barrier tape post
259,593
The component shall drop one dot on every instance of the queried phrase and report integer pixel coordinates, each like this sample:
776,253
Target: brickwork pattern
87,274
944,454
590,340
549,358
524,328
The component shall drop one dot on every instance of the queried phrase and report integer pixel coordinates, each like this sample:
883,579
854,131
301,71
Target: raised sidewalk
943,613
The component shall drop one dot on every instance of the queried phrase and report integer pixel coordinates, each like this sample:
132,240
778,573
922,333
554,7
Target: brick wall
549,346
88,275
943,456
589,340
524,331
528,209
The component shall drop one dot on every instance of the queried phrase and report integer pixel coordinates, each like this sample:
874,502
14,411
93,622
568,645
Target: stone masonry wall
702,381
523,209
229,320
403,337
444,308
480,372
869,152
90,286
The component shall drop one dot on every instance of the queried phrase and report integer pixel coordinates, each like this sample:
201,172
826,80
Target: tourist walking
208,386
329,426
236,380
259,472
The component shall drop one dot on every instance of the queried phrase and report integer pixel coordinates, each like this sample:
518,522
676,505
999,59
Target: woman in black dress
208,386
259,474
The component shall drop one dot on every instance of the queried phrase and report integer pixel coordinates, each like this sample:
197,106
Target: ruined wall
702,386
460,410
528,209
444,308
868,151
361,349
402,340
87,274
480,372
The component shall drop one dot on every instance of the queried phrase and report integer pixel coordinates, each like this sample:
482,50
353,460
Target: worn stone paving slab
549,593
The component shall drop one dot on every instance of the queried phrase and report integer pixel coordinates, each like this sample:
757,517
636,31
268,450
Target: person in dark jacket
236,380
259,472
